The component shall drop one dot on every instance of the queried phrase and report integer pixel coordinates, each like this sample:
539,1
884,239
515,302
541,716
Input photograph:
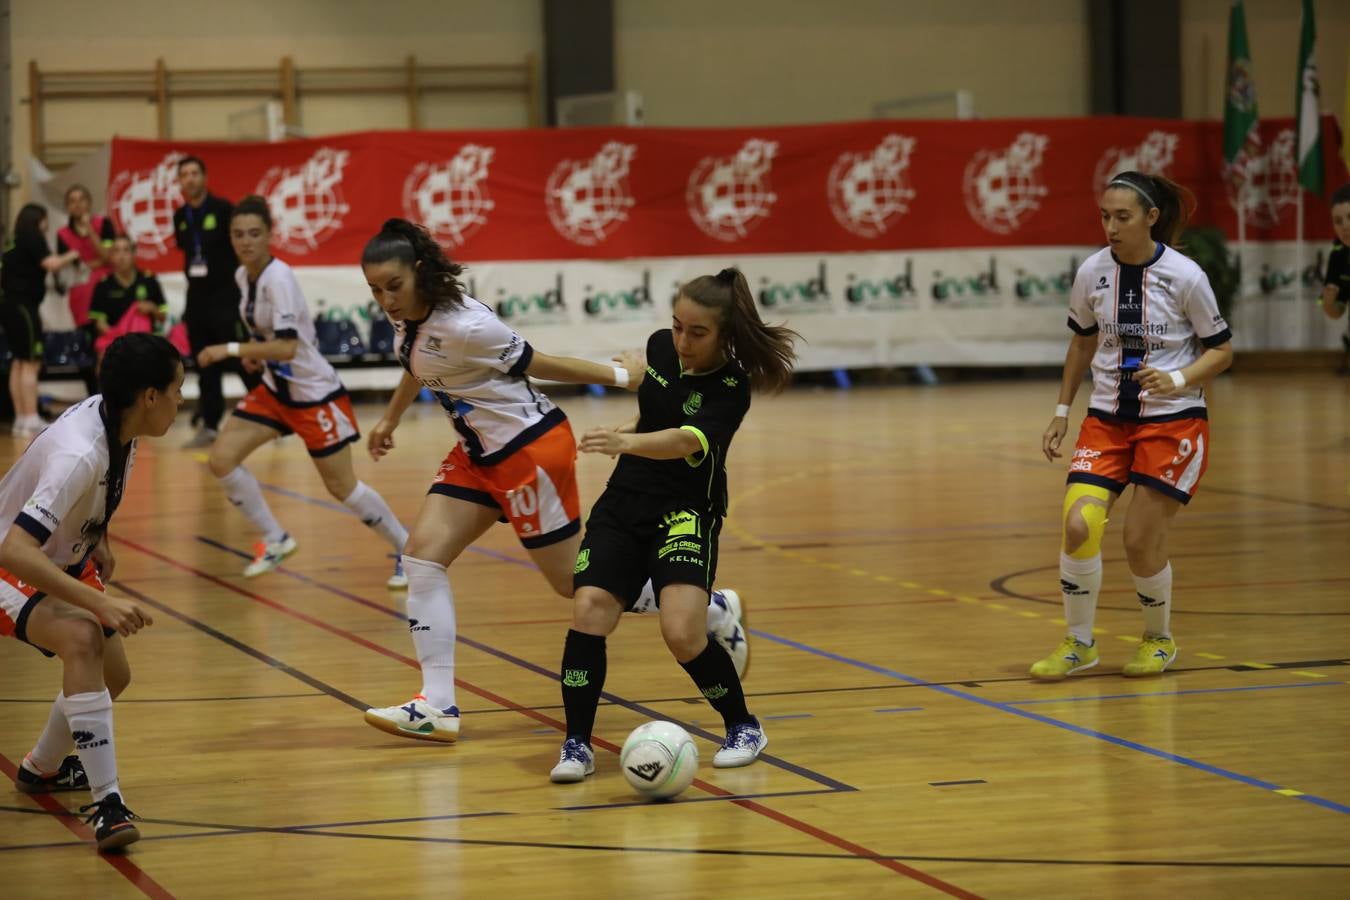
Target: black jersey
112,298
203,234
22,278
1338,271
709,404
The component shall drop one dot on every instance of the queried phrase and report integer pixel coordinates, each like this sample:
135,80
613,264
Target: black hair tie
727,276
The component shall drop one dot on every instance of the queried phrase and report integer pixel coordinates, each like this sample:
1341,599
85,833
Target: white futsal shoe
726,625
398,581
417,719
267,556
576,760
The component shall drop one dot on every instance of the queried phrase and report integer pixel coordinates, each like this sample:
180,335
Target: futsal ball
659,759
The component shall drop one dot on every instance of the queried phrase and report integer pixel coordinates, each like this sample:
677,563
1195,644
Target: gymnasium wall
1273,32
785,60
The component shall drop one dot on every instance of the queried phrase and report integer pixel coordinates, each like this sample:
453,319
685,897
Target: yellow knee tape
1090,502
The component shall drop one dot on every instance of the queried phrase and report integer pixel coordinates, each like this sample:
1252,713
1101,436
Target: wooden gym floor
897,549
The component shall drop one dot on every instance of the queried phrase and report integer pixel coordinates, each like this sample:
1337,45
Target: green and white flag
1241,140
1308,103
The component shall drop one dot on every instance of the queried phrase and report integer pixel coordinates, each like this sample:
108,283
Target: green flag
1308,103
1241,140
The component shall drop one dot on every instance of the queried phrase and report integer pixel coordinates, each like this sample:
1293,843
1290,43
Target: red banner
614,193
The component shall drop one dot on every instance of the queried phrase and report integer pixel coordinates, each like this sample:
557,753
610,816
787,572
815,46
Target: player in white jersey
515,460
55,505
300,394
1145,320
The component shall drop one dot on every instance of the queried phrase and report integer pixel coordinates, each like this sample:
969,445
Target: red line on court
780,817
126,867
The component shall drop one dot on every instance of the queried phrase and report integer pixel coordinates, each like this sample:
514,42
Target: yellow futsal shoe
1153,656
1072,655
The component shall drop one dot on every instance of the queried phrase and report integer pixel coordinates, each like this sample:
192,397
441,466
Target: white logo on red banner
727,194
1270,185
1002,187
1152,157
306,201
868,191
142,205
588,199
450,198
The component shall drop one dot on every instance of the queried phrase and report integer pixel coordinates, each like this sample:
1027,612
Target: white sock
431,622
53,744
242,489
1080,580
90,718
646,599
1155,598
376,514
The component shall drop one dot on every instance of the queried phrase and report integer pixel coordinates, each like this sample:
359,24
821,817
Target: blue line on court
328,504
1232,690
691,727
1046,720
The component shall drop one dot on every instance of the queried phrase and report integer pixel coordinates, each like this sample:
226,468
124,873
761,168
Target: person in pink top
91,237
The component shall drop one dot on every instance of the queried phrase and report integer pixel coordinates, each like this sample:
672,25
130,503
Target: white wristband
1061,411
620,377
1177,378
232,348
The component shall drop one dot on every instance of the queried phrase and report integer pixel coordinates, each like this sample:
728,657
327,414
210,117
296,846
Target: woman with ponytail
300,394
55,505
515,459
660,516
1145,320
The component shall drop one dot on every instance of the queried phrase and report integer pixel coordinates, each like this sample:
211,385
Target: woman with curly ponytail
514,458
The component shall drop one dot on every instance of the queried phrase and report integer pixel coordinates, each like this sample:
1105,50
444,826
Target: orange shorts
325,427
1169,457
535,487
17,599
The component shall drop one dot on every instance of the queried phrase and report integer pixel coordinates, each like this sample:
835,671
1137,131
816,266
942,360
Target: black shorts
23,328
631,537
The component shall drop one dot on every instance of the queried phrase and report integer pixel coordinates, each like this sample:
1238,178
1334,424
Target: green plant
1209,248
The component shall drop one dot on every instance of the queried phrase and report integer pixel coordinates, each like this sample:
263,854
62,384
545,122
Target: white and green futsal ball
659,759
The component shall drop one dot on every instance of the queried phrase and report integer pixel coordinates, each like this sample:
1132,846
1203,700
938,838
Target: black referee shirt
711,405
205,231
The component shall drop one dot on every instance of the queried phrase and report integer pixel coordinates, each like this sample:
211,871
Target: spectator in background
1336,283
202,229
126,300
91,237
23,283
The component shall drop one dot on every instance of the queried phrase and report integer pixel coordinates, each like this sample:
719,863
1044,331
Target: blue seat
382,336
67,351
338,338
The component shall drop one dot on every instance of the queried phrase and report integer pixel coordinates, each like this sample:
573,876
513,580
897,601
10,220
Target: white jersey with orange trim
57,490
475,365
274,308
1161,314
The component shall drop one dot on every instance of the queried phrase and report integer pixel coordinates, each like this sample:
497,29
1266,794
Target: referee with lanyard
202,229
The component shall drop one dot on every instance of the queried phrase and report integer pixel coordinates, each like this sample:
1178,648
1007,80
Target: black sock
583,678
715,676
